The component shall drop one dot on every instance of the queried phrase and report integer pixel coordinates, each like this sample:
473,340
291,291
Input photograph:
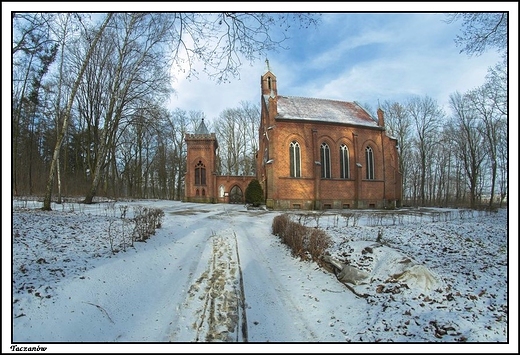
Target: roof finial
267,68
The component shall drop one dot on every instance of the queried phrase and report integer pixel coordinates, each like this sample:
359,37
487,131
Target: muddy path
236,291
214,306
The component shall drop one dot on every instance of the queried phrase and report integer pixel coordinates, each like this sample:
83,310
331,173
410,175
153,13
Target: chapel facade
313,154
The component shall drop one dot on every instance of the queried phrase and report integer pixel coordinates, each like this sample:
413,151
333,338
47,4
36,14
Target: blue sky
363,57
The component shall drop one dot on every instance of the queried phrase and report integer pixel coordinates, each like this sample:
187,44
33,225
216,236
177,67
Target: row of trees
88,115
454,157
460,156
88,94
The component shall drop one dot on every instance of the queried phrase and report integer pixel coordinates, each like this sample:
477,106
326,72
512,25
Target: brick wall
311,191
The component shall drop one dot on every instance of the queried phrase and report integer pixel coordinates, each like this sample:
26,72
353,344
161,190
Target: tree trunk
66,118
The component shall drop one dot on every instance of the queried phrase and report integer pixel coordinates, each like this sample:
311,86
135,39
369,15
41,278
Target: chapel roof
311,109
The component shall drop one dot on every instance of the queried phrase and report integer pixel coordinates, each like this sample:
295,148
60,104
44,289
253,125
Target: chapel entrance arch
236,195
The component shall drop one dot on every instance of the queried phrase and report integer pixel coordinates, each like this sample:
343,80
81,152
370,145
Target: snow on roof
304,108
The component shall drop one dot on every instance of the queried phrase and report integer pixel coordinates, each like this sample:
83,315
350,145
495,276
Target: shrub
254,193
319,242
146,221
280,224
304,242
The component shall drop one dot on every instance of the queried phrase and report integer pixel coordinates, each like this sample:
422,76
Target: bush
254,193
304,242
146,221
280,224
319,242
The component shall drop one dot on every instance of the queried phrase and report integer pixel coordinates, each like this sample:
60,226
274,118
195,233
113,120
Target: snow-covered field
215,273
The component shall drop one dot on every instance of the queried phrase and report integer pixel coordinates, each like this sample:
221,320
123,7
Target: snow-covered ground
215,273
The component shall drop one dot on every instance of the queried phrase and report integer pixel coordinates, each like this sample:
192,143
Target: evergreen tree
254,193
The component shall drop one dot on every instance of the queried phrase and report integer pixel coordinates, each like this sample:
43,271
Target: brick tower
200,180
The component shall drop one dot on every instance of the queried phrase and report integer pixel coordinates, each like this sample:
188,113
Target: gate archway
236,195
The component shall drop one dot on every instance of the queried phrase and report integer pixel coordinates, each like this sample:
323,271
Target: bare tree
503,163
33,52
250,118
469,141
237,133
64,26
67,112
399,125
31,31
231,139
426,116
481,31
137,78
221,40
480,100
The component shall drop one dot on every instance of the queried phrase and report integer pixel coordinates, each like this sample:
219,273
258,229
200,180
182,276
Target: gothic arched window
200,174
344,163
369,160
295,159
325,160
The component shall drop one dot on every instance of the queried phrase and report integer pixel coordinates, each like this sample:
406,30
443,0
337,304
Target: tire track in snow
242,299
278,303
191,263
214,306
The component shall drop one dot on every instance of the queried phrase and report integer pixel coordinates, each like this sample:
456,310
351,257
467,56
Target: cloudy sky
354,54
353,57
363,57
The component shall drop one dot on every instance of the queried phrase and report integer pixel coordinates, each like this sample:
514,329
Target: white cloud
416,55
207,95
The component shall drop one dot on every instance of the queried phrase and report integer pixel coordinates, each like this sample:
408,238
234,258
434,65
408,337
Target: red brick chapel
314,154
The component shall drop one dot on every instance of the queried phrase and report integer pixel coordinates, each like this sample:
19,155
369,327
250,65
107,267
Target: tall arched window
295,159
369,160
200,174
344,163
325,161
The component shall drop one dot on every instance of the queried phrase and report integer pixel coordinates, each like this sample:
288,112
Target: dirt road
235,292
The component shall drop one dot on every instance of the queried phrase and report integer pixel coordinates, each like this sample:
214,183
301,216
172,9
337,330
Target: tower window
200,174
269,82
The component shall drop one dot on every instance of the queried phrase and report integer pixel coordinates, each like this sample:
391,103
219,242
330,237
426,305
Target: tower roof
202,129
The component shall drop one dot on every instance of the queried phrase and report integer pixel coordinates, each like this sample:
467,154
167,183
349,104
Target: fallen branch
363,295
102,310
